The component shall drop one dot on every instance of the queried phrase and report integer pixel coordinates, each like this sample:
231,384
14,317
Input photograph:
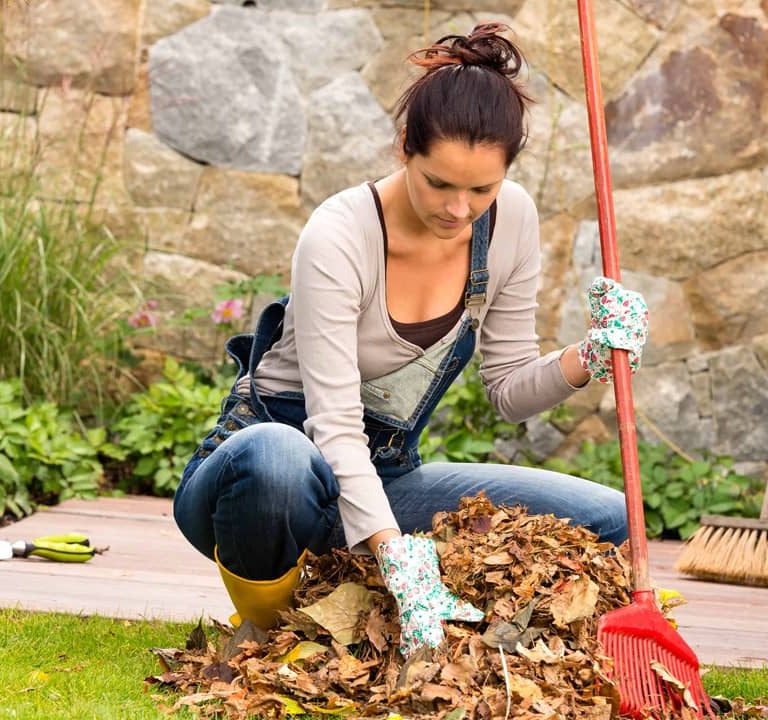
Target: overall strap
477,283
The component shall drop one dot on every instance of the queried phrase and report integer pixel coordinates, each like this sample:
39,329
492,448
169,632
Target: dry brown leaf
303,650
665,674
375,628
350,668
577,601
460,673
524,689
433,691
339,613
541,653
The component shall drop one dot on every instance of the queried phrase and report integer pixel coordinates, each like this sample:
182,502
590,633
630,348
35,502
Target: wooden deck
150,571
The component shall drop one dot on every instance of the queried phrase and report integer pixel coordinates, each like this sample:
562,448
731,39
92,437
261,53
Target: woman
394,285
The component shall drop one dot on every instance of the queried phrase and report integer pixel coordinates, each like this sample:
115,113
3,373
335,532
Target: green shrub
159,429
44,457
676,492
58,326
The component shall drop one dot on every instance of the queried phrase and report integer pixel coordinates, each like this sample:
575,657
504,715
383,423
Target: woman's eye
483,191
437,184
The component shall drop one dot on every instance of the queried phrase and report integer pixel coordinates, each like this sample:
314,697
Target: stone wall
215,128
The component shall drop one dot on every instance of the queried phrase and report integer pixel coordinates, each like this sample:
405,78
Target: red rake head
638,637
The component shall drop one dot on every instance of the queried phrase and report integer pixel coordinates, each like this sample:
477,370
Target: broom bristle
641,688
726,554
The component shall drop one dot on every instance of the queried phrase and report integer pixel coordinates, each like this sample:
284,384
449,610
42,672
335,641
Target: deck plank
151,571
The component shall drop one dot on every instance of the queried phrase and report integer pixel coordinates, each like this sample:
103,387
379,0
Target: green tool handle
71,547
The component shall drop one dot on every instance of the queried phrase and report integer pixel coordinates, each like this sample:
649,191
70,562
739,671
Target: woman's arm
328,289
519,381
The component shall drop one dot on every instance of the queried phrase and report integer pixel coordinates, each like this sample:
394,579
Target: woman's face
454,184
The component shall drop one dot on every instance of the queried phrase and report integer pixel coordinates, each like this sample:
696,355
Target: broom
729,549
637,637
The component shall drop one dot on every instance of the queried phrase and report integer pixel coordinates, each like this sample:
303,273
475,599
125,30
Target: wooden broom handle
622,383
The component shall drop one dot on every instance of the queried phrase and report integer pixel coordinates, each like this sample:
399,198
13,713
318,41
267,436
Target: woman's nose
458,206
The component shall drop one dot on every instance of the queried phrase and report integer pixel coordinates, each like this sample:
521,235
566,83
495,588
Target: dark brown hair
468,92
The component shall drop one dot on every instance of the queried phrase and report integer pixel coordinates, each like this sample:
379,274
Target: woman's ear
401,154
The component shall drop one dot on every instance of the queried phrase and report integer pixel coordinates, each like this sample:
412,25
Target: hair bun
483,47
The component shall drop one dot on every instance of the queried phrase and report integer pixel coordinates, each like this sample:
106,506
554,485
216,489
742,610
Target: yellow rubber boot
259,600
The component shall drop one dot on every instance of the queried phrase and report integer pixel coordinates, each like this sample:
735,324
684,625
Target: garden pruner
70,547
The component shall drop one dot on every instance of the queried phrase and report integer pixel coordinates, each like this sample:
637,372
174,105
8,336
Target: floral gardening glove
411,572
619,319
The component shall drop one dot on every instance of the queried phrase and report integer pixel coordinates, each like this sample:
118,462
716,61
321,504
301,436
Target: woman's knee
276,460
269,452
610,521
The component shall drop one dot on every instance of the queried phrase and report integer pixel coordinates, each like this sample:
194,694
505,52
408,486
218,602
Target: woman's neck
399,215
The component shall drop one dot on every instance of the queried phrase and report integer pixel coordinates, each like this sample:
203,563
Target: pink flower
144,317
227,310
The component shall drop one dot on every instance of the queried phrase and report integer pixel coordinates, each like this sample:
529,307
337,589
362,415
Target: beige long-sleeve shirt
337,335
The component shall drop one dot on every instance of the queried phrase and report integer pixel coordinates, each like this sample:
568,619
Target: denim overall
291,519
393,441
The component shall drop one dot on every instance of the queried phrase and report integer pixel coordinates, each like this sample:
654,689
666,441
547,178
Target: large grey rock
226,191
18,151
760,348
574,316
248,242
175,279
665,406
157,176
671,332
679,228
222,92
320,45
93,43
338,154
17,96
164,229
388,71
305,6
541,438
740,400
397,22
701,385
670,328
325,45
495,6
730,301
81,148
659,12
548,33
697,108
555,165
557,233
250,221
165,17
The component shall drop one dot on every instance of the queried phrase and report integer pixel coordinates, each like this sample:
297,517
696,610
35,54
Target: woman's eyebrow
436,179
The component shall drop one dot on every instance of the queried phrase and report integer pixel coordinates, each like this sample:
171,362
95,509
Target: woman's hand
411,572
618,319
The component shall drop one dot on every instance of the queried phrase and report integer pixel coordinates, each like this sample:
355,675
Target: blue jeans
266,493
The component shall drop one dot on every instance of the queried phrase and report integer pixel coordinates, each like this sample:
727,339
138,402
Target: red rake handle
610,252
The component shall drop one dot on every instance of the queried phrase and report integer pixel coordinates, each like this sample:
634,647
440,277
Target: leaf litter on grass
542,583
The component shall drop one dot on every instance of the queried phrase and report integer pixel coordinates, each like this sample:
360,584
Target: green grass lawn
752,685
66,667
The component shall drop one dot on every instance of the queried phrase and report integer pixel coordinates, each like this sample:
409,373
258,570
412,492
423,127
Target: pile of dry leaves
542,583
